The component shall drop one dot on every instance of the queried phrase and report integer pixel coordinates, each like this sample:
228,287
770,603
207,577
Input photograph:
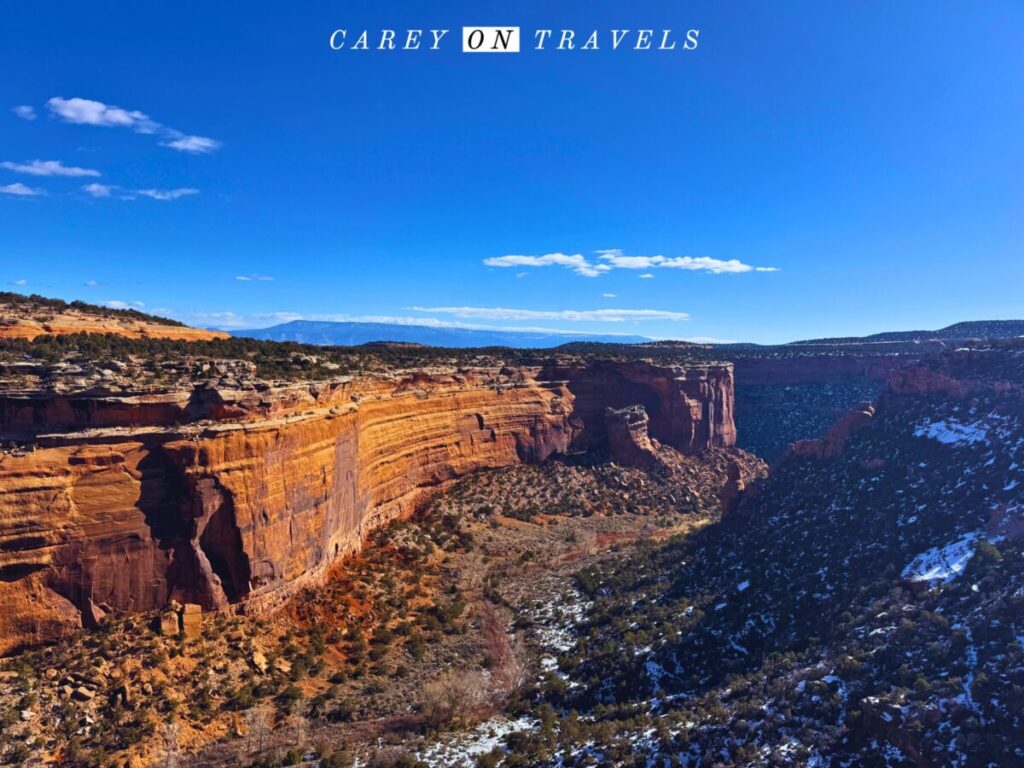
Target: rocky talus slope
235,492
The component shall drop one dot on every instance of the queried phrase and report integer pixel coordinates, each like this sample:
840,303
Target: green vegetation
791,633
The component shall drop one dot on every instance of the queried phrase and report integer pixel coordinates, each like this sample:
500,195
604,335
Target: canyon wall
690,408
238,498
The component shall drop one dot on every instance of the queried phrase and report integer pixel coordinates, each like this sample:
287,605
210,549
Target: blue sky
870,153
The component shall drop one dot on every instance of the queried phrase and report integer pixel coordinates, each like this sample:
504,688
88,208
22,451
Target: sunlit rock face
235,499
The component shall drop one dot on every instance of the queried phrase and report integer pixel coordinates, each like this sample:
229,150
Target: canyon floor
450,619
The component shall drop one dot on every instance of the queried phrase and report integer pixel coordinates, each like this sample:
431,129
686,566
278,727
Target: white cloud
646,276
24,111
48,168
619,260
109,190
115,304
22,281
91,283
167,194
251,278
576,262
98,190
20,190
193,144
573,315
89,112
610,295
615,258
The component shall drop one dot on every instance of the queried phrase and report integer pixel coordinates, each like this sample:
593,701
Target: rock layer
254,494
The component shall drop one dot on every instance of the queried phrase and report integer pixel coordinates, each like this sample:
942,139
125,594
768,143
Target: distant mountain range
353,334
974,329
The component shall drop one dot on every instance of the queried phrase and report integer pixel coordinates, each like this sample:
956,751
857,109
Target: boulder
84,694
192,621
122,695
169,624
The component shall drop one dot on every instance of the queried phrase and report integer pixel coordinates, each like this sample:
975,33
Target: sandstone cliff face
248,495
690,408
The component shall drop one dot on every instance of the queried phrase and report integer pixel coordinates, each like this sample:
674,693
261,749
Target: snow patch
943,563
459,749
952,432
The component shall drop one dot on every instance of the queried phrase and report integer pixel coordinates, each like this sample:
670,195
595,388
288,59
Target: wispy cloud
22,281
48,168
98,190
576,262
194,144
89,112
609,295
253,278
572,315
24,111
21,190
619,260
614,258
109,190
166,194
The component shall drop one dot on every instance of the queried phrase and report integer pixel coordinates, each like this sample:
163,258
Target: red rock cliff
690,407
267,489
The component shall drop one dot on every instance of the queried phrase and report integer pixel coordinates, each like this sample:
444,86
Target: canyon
236,495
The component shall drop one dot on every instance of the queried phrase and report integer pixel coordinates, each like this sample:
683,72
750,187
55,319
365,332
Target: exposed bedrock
270,488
